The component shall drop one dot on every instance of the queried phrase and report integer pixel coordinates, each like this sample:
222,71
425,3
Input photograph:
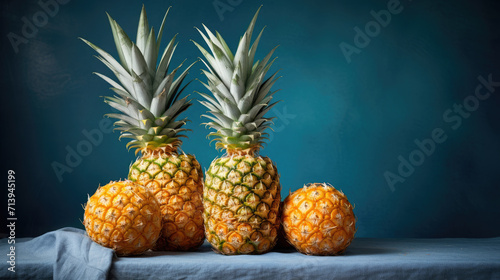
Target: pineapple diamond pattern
123,216
318,220
246,190
176,182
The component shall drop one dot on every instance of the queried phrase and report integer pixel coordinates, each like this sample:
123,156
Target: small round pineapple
318,220
123,216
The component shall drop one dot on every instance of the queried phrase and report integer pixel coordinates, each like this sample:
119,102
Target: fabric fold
66,253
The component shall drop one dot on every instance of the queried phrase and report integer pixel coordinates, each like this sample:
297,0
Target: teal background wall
350,120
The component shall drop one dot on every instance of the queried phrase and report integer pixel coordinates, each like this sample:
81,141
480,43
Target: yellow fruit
318,220
123,216
177,183
241,204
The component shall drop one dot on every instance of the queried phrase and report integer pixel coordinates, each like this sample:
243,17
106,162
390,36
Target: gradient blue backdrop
339,122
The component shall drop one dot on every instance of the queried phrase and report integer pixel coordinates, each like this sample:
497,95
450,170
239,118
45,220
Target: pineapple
178,186
123,216
242,189
147,97
318,220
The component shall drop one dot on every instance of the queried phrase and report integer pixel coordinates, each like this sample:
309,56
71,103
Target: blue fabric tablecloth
69,254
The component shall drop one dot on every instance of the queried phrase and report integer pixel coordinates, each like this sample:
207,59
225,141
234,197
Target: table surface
69,254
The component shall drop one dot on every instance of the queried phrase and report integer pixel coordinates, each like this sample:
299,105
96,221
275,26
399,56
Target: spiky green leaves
147,95
241,96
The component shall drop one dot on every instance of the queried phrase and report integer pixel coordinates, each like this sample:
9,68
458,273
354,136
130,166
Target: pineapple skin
241,204
123,216
318,220
177,183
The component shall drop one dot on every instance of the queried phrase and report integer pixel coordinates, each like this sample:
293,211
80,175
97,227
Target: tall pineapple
147,97
242,189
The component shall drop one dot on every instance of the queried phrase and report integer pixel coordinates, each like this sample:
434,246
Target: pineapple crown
146,95
241,96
